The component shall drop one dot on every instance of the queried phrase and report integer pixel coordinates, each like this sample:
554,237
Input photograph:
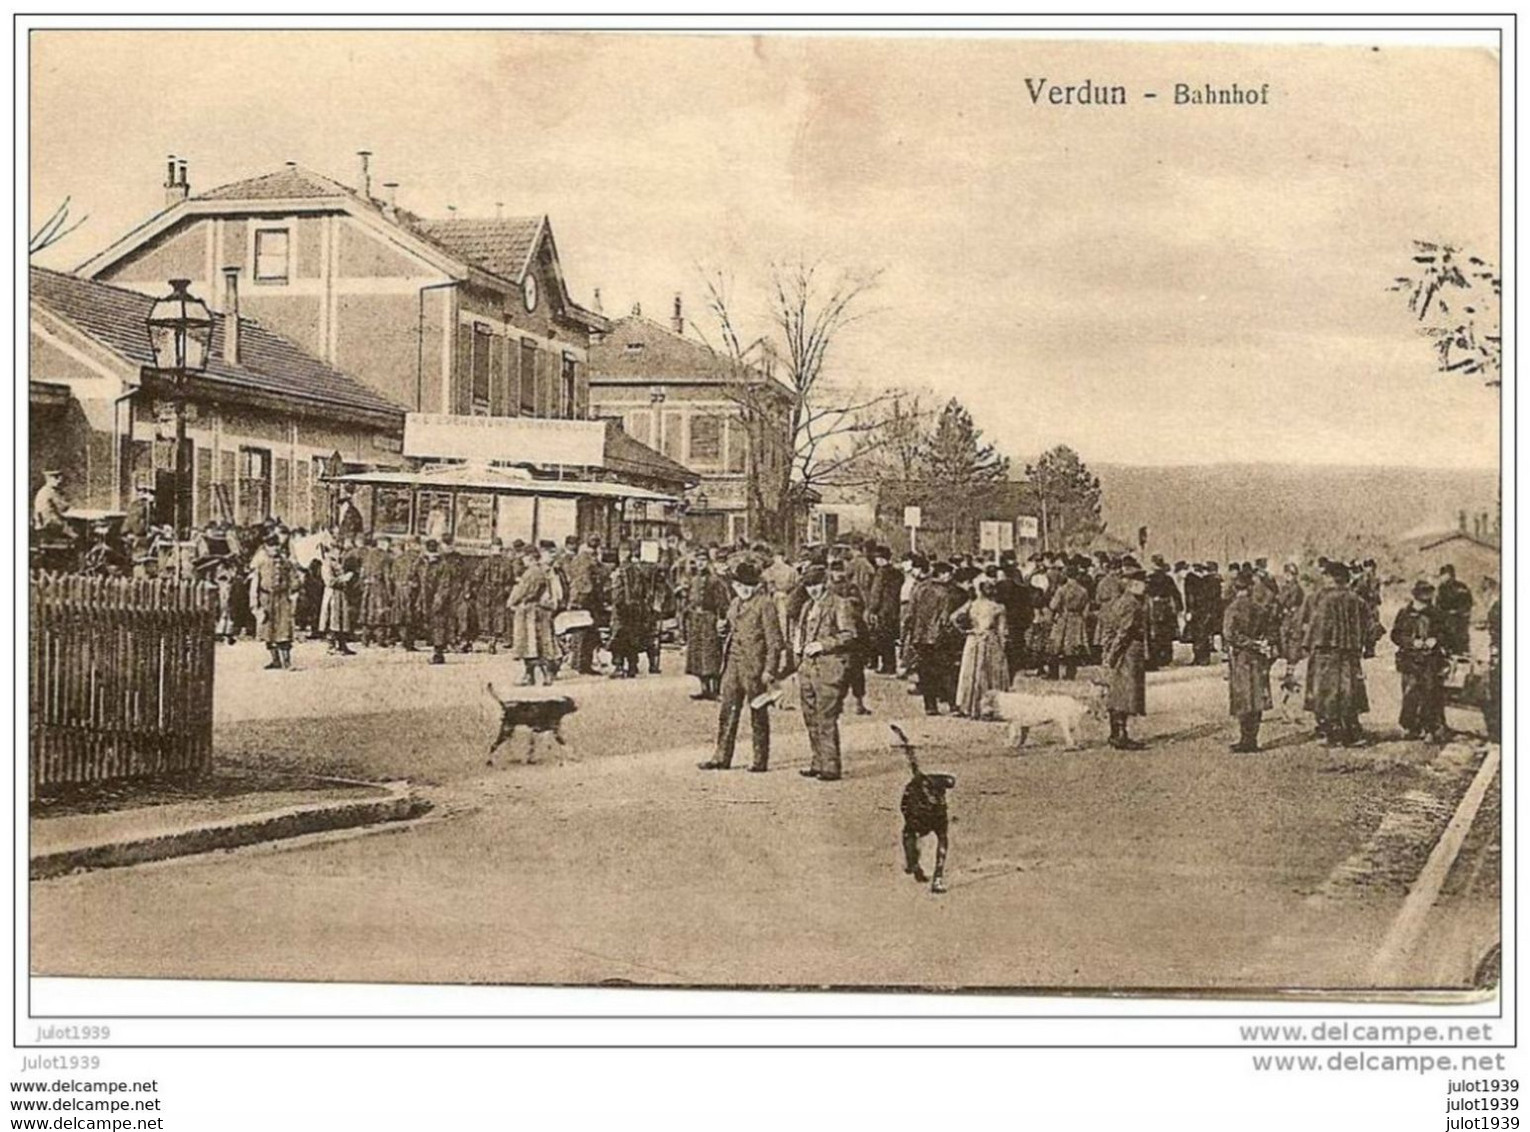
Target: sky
1149,283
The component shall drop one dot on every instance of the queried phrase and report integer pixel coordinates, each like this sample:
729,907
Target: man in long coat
1070,631
842,581
1421,662
1164,607
533,600
1337,628
405,573
1246,631
884,611
586,583
1453,608
936,641
492,579
1123,629
435,588
631,588
1200,605
706,604
376,585
752,659
827,631
1289,603
273,582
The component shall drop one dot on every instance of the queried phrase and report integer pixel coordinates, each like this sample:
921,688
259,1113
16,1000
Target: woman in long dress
984,667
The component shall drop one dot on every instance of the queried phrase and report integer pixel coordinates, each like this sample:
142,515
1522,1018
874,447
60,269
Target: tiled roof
638,350
268,363
288,183
625,454
502,247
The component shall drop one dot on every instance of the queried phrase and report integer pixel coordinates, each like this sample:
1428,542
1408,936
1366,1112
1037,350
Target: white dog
1025,710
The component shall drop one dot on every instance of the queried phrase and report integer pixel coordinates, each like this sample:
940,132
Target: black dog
539,716
924,812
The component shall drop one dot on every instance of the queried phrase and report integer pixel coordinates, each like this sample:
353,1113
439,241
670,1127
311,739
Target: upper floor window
528,377
273,258
569,391
738,446
706,439
483,343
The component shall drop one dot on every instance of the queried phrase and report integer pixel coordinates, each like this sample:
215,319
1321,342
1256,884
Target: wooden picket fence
121,679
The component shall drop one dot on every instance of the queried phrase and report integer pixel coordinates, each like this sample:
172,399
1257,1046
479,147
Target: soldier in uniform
438,599
376,583
1337,628
336,614
533,599
1124,628
492,580
273,583
1246,631
405,572
842,581
1289,603
1421,662
751,660
828,629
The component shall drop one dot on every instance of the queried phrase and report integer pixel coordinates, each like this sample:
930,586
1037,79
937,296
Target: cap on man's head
815,576
919,561
838,566
941,569
746,574
1422,589
547,544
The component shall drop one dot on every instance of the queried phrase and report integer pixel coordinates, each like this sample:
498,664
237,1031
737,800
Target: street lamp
180,335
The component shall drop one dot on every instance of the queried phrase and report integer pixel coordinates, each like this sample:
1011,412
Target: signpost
911,519
1028,527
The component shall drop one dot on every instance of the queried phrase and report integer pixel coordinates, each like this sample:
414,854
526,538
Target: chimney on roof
677,320
231,315
598,308
390,199
176,189
637,310
364,185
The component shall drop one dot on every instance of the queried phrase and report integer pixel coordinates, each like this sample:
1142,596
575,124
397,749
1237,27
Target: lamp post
180,336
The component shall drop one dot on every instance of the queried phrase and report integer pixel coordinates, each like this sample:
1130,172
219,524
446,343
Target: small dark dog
539,716
924,812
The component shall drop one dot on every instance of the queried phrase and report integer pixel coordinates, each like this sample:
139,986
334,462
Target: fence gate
121,679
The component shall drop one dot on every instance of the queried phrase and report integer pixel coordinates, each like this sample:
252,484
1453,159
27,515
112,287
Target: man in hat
273,584
631,608
751,660
433,598
1453,607
375,583
1421,662
140,513
1246,632
492,580
586,582
537,593
1069,645
824,636
1164,607
1337,628
936,641
1367,584
884,611
50,509
1123,629
348,523
842,581
406,580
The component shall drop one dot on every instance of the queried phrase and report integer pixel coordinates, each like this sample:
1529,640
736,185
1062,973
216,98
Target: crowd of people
747,616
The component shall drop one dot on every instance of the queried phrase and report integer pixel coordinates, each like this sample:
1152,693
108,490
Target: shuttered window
528,378
499,378
281,489
483,346
302,499
204,487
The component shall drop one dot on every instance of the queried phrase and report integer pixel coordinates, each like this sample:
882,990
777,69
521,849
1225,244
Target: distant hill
1237,511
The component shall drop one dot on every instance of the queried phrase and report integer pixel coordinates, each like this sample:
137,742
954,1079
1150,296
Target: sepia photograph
760,511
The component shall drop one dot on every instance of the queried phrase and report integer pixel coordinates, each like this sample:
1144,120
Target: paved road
1179,867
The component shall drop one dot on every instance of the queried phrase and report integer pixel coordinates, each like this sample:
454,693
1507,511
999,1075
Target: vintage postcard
924,512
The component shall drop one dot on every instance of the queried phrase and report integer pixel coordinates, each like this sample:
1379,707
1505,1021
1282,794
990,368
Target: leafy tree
1068,497
1457,298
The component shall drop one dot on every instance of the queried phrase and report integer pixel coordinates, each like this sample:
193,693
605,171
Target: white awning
522,440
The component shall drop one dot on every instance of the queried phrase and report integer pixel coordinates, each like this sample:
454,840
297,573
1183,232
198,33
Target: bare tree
54,229
804,431
1457,298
